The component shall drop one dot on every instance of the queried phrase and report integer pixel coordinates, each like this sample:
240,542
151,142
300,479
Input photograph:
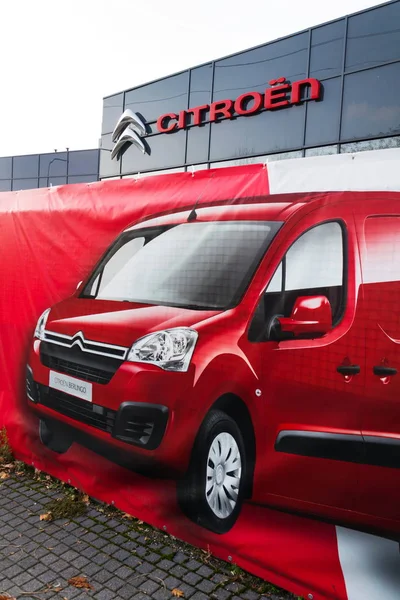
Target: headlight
170,349
41,325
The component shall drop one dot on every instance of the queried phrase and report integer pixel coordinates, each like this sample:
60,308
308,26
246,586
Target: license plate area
71,385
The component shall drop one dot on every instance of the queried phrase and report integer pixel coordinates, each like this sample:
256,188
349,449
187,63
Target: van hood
119,323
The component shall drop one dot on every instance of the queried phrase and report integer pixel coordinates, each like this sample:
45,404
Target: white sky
59,58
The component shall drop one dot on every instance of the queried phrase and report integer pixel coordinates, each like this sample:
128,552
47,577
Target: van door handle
348,369
382,371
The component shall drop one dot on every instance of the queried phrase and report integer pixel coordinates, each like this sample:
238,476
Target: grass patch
6,455
67,507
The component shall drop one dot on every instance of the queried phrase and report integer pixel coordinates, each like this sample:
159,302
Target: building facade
332,88
45,170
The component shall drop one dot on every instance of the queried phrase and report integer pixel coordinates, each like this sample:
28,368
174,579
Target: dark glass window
5,168
167,150
252,70
197,144
53,164
51,181
270,131
327,50
155,99
322,124
26,166
313,266
374,37
83,162
82,179
24,184
113,107
371,103
108,167
198,265
5,185
200,86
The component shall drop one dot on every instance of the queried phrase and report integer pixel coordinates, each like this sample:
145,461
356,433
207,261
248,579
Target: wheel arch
235,407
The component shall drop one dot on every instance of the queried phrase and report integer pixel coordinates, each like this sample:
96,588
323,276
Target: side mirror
311,315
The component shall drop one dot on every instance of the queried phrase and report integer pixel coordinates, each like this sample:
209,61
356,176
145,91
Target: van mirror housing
311,315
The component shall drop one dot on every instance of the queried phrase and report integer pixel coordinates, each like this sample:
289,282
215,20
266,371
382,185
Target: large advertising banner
218,360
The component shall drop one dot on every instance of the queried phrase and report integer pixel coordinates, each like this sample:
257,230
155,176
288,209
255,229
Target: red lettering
167,123
196,112
242,103
182,120
315,90
223,108
276,97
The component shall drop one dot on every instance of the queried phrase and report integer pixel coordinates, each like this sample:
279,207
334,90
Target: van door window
313,266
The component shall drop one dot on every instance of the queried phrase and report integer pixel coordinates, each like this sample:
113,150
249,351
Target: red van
251,350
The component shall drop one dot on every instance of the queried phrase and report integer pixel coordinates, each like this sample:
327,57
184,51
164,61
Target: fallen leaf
46,517
80,583
86,499
177,593
6,597
4,476
57,589
126,516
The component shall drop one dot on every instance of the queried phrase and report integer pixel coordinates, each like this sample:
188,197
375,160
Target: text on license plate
70,385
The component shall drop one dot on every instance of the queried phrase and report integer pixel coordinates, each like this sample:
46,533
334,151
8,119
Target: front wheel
211,494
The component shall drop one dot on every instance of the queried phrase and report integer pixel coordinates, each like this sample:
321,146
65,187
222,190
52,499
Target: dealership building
333,88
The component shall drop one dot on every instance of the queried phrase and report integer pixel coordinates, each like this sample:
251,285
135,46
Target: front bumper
137,423
142,413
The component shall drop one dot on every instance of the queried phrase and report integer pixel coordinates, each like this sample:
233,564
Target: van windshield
201,265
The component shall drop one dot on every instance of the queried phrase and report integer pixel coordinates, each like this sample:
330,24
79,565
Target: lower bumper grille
80,410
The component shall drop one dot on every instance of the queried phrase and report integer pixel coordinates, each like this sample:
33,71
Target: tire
54,437
210,495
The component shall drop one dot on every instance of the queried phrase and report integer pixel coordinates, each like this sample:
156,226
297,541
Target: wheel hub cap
224,471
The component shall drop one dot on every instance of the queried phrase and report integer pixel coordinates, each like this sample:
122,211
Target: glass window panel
200,86
323,117
53,164
167,150
83,162
5,185
113,107
327,50
155,99
275,285
51,181
381,144
24,184
26,166
371,104
322,151
108,167
5,168
197,144
270,131
252,70
253,160
374,37
82,179
316,259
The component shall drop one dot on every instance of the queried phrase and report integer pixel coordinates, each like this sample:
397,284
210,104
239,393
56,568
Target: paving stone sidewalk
122,559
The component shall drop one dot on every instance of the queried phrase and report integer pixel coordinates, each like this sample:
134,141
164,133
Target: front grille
83,365
80,410
76,370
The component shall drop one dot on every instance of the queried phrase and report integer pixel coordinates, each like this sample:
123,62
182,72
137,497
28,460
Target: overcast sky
59,58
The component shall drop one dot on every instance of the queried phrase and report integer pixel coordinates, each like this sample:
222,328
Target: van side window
313,265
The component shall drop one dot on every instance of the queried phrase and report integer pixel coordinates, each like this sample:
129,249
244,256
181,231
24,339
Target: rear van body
251,350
